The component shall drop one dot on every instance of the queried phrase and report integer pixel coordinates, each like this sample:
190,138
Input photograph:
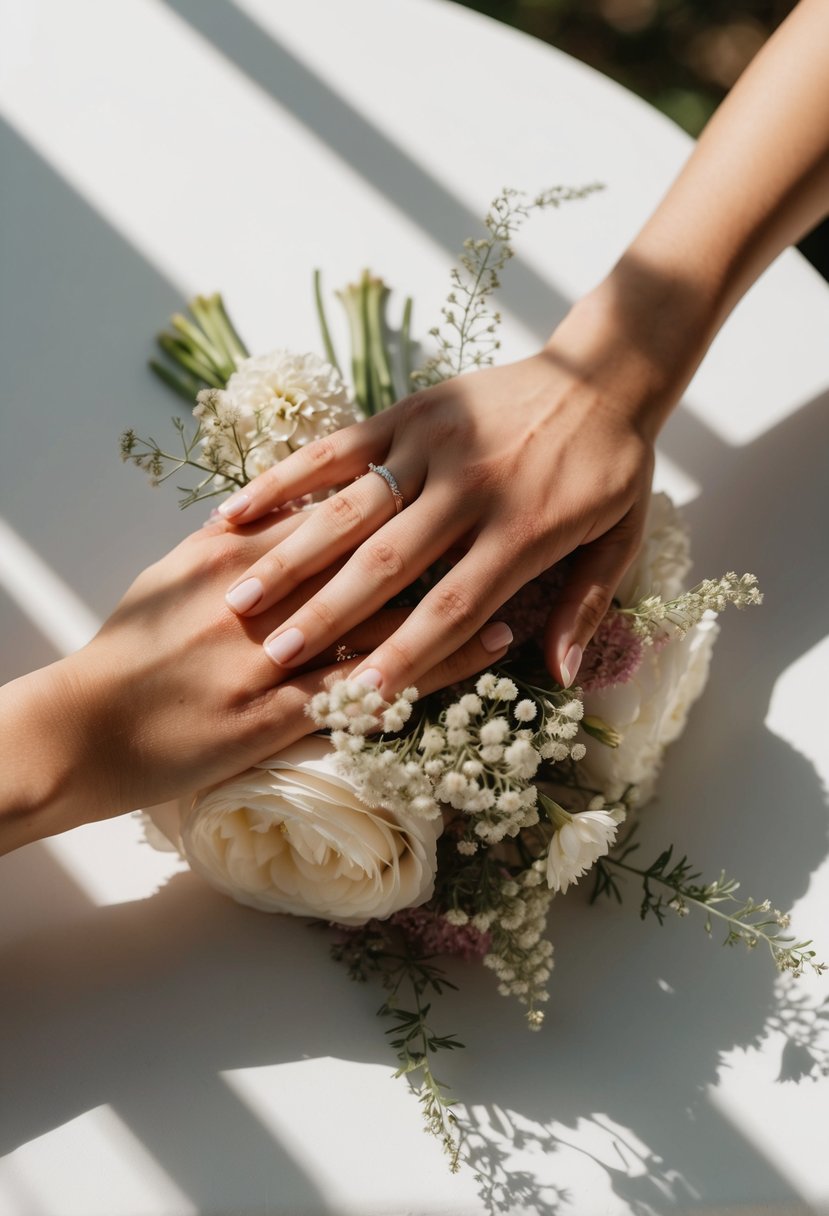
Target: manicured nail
234,505
371,677
496,636
285,646
245,595
572,663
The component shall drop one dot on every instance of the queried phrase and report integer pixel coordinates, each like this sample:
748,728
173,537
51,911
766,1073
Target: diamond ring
391,482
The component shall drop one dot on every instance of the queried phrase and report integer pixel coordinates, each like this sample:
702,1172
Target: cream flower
290,835
579,841
285,400
649,712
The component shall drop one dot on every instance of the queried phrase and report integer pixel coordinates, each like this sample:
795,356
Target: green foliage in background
680,55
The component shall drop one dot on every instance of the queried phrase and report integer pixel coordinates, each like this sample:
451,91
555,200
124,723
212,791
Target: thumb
595,572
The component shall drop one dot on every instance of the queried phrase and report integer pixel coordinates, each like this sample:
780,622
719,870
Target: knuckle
398,656
593,606
321,452
342,514
274,567
381,561
322,614
478,475
454,605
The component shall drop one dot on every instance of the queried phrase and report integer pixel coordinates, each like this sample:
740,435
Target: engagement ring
391,482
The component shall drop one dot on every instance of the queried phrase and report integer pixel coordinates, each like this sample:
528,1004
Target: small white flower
525,710
577,844
486,684
494,731
505,690
456,916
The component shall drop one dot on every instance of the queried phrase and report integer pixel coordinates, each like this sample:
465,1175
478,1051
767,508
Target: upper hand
518,465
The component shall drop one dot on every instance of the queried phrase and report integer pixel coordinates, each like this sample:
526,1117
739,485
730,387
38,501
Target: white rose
649,712
290,835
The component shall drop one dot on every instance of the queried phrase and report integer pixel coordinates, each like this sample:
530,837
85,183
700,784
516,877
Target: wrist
45,756
637,339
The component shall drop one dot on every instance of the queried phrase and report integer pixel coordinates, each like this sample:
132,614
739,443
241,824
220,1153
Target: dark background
680,55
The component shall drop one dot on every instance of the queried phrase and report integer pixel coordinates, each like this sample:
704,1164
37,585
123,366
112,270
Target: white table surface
163,1051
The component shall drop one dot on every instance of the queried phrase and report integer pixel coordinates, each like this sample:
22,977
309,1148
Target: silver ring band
391,482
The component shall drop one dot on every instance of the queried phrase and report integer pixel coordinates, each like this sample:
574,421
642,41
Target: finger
456,608
592,579
332,529
488,646
287,701
321,465
381,567
363,639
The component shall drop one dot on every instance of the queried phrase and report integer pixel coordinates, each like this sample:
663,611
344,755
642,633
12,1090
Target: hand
171,695
519,465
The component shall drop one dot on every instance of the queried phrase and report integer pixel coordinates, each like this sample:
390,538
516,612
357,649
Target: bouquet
421,828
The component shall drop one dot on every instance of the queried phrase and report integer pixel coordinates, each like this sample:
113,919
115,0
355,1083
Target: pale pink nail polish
495,636
234,505
243,597
371,677
285,646
571,664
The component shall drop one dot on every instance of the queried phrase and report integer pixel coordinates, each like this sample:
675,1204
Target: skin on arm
522,465
173,694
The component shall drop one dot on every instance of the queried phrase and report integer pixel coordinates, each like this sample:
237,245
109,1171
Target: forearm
757,181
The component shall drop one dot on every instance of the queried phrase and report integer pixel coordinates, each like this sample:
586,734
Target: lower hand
173,694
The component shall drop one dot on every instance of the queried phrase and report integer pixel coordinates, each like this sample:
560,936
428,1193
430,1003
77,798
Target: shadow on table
364,148
141,1006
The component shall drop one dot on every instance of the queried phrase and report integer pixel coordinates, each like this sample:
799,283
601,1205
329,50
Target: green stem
755,930
180,353
351,299
231,334
330,353
197,341
380,362
204,310
406,346
183,388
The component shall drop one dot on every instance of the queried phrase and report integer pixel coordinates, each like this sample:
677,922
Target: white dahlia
285,400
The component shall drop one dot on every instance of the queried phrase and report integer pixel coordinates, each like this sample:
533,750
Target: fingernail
234,505
285,646
245,595
572,663
371,677
496,636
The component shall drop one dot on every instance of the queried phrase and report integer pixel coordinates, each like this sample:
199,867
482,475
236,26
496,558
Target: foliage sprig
466,338
745,921
371,950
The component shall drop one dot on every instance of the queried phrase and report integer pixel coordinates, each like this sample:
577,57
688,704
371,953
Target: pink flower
430,933
612,656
